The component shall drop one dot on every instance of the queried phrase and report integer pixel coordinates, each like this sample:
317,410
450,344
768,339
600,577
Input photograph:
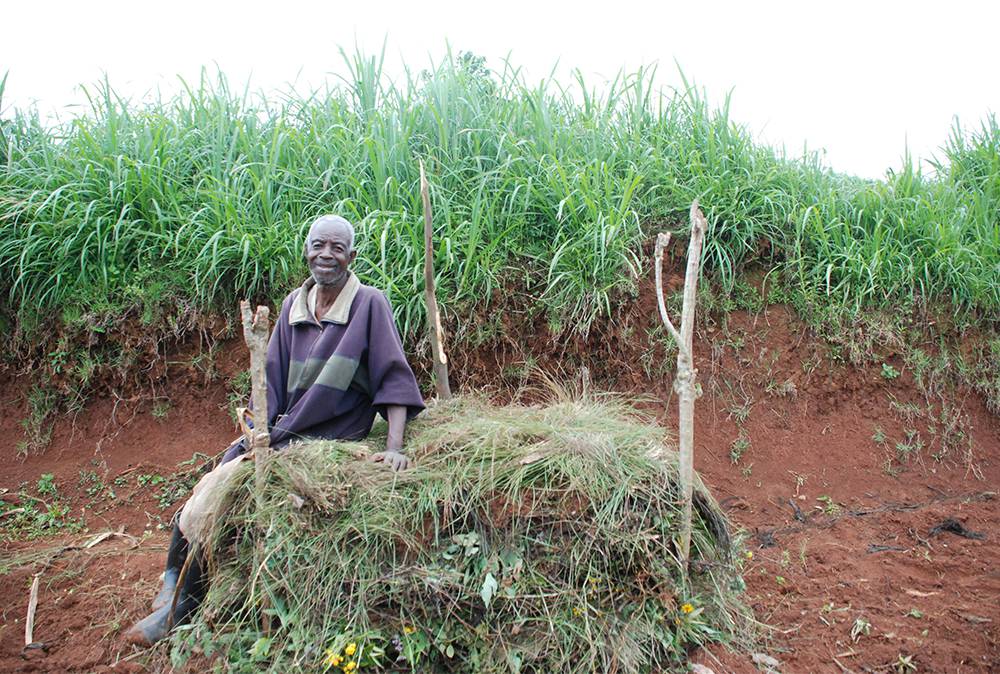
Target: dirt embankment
829,469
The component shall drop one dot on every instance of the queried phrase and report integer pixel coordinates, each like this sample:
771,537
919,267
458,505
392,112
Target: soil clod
953,526
797,510
873,548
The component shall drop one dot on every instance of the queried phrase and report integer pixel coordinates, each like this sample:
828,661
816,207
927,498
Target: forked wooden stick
685,381
256,329
441,383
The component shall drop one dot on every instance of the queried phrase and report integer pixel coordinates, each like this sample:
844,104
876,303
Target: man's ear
354,254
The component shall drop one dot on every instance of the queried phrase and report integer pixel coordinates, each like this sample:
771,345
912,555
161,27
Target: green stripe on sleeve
335,372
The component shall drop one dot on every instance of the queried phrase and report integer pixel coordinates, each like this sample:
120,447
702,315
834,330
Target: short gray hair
333,220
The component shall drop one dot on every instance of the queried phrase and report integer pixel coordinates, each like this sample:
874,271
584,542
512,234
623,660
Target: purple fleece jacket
328,379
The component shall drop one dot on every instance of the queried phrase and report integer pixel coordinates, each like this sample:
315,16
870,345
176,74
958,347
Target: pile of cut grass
527,539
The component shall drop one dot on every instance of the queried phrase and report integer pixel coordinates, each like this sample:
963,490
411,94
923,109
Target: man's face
329,253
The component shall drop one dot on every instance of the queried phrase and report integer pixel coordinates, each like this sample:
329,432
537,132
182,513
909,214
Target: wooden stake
29,621
181,577
685,381
256,331
441,383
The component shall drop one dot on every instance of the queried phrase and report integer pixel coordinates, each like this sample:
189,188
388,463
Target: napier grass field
847,345
204,197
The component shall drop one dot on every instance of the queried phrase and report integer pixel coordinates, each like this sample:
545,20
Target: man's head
329,250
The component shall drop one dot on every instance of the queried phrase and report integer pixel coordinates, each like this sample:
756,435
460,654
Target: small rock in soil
766,662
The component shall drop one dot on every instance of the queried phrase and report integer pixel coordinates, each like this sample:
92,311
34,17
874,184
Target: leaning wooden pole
256,329
685,383
441,383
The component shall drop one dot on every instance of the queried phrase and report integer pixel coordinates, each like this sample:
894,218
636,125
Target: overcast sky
861,80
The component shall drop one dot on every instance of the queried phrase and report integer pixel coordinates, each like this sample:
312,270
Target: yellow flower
577,611
408,629
749,554
351,649
687,608
350,666
332,659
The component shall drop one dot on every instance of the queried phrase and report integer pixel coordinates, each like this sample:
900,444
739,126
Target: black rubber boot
150,629
158,624
176,554
192,591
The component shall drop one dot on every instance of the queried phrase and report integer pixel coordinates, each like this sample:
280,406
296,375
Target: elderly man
334,361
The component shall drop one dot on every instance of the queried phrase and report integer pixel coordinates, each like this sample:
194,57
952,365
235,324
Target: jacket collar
304,305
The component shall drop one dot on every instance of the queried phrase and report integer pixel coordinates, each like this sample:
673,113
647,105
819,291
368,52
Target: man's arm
397,423
278,357
395,392
393,454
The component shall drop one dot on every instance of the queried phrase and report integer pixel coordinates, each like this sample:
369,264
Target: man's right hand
396,460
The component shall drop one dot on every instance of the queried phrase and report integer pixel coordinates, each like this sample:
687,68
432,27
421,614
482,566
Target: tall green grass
203,198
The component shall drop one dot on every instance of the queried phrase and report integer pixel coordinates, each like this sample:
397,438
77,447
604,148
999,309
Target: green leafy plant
829,506
904,664
911,446
740,412
160,409
149,479
47,485
860,628
238,390
738,448
91,483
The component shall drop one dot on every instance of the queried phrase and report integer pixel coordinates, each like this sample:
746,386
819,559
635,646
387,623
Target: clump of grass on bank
526,539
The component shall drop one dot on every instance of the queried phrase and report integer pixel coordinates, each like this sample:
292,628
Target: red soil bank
836,534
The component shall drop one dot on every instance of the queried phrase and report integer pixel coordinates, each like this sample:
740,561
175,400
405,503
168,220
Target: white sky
863,80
